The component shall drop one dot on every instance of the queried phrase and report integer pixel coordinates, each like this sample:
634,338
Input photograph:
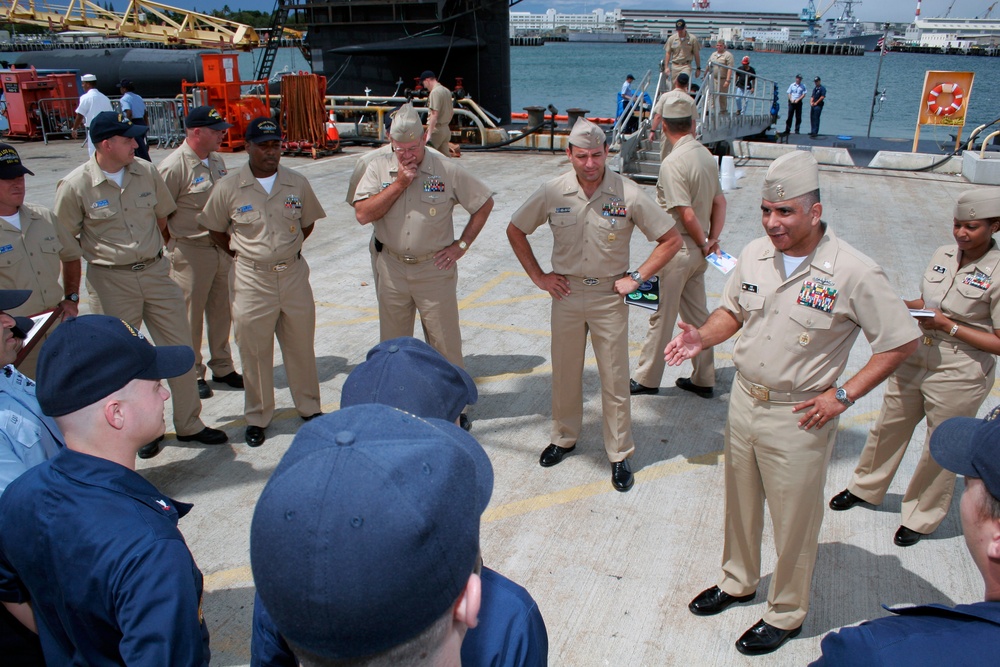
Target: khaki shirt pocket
806,328
106,224
248,224
434,198
751,304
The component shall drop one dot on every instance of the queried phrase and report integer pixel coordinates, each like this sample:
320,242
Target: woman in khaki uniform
949,375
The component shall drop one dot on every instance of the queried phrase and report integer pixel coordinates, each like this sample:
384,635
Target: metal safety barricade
56,116
163,118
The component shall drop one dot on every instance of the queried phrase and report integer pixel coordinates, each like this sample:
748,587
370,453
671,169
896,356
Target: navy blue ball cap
970,447
206,117
22,325
368,530
109,124
263,129
427,74
90,357
12,298
409,374
10,164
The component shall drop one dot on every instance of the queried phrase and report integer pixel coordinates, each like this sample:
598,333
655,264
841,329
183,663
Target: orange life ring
957,97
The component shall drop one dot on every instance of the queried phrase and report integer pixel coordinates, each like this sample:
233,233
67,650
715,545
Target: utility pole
885,48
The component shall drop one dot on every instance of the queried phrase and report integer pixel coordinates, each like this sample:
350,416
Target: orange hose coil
957,97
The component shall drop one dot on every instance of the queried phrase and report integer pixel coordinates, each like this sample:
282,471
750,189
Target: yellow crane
145,20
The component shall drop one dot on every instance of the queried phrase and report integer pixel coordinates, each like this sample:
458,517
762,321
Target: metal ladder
278,18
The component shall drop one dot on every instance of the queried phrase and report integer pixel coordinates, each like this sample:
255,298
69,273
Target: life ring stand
957,98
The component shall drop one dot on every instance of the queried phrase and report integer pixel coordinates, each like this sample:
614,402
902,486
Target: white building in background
522,23
953,32
751,34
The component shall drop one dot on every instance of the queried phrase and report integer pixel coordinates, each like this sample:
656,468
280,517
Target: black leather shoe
635,388
465,422
310,417
204,391
150,450
621,476
687,385
255,436
764,638
905,537
206,436
552,455
713,600
845,500
234,380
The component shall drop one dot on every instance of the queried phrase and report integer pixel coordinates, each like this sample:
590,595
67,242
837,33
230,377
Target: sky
869,10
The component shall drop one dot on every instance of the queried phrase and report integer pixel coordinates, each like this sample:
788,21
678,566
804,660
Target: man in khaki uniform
30,252
656,124
199,266
440,110
950,375
409,197
688,189
113,211
261,215
592,212
800,297
722,77
681,48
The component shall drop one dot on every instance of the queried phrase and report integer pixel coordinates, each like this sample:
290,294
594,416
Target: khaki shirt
420,221
591,237
969,295
114,226
190,183
263,228
798,331
29,259
440,100
724,58
681,51
689,176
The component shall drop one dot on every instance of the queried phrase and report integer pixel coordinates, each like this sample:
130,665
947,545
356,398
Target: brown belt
408,259
762,393
141,265
276,267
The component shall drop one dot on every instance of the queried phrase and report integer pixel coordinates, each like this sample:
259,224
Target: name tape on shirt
939,269
103,203
6,248
749,287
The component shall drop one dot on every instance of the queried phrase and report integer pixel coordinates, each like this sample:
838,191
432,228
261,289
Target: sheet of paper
921,312
722,260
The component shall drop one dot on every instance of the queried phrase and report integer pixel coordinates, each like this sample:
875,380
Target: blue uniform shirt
510,633
925,636
95,548
133,103
27,437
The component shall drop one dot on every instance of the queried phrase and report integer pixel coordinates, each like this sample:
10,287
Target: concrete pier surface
612,573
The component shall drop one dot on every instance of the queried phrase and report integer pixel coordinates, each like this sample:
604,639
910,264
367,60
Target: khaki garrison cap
406,125
978,204
587,135
677,105
791,175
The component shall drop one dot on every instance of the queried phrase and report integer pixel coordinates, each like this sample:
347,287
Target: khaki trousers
406,289
767,456
676,70
599,310
682,290
201,269
440,139
938,381
723,88
268,304
150,296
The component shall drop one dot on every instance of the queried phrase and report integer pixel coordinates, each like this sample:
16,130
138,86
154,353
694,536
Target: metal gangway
718,126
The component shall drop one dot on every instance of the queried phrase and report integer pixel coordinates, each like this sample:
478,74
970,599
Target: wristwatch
462,245
841,396
636,276
73,296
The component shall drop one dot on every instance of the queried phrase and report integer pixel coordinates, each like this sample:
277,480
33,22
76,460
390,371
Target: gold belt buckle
591,281
409,259
927,340
139,266
759,392
280,266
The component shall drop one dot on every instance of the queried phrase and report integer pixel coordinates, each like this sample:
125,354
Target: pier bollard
536,115
574,114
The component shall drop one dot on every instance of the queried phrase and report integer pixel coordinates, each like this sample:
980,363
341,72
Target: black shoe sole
842,507
771,649
566,451
909,541
743,599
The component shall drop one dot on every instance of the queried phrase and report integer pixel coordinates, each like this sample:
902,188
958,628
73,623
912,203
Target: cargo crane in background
172,25
812,17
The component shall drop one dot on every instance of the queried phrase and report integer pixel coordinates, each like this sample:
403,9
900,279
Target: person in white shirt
92,102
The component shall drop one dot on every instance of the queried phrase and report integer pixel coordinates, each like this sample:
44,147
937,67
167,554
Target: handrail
619,128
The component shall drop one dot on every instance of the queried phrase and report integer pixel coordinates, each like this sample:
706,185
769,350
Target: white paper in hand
722,260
